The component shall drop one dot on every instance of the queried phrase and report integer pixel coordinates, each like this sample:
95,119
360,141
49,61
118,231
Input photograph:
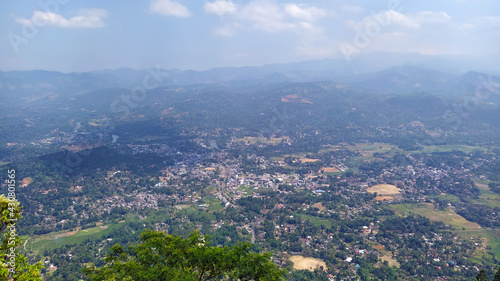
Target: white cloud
264,15
387,18
309,14
484,22
268,15
354,9
86,19
169,8
432,17
221,7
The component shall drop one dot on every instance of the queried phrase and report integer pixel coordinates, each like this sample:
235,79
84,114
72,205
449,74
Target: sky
74,36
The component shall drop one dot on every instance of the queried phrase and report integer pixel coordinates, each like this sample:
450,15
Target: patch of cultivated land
451,147
300,262
462,227
58,239
366,150
261,140
308,160
330,169
487,196
384,190
428,210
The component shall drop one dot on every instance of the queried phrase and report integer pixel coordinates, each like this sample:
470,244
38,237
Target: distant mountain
405,79
409,78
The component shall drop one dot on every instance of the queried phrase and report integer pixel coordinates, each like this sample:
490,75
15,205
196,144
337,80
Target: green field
316,221
214,204
427,210
462,227
449,148
366,150
38,244
247,190
487,196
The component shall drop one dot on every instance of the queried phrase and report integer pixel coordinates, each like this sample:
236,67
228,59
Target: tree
160,256
481,276
14,265
497,275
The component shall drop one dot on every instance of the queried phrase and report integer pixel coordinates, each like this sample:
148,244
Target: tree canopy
161,256
13,265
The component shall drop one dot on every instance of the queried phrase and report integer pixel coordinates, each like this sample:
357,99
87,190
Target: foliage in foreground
481,276
13,265
160,256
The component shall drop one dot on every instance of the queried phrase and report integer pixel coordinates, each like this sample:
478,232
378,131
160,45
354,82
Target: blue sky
71,35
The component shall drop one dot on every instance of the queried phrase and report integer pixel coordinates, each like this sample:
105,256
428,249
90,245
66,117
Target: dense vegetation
167,257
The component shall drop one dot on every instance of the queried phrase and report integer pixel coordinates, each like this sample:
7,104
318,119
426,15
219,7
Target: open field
462,227
487,196
316,221
366,150
448,148
261,140
319,205
427,210
26,181
308,160
392,261
384,189
55,240
300,262
383,198
330,169
247,190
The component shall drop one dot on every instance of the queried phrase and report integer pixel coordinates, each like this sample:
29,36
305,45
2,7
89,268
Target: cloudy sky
71,35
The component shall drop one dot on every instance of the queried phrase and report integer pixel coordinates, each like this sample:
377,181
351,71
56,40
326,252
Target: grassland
260,140
486,196
366,150
38,244
427,210
330,169
461,226
247,190
316,221
449,148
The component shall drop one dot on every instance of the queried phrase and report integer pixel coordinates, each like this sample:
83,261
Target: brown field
210,168
26,181
481,185
319,205
330,169
383,198
378,247
308,160
300,262
383,189
71,233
